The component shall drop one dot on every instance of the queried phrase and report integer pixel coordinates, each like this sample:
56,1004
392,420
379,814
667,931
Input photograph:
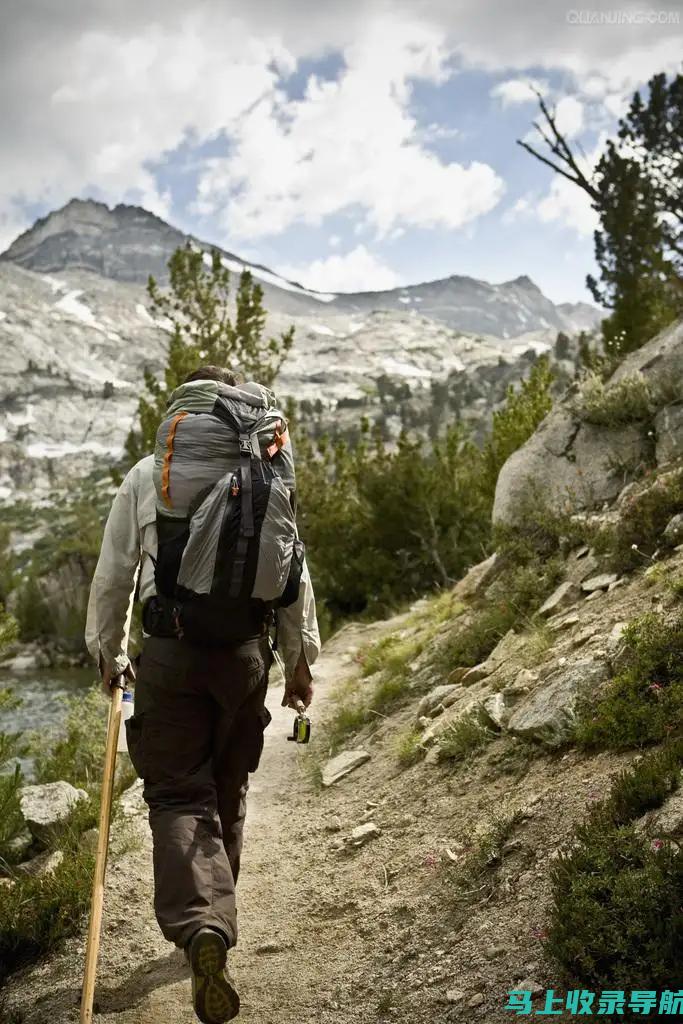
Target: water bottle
126,713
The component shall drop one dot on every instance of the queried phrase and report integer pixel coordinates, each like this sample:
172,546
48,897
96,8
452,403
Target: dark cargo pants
196,734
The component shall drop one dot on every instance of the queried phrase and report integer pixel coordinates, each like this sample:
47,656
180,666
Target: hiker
203,535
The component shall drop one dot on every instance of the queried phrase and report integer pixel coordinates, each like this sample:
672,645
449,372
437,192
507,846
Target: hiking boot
214,997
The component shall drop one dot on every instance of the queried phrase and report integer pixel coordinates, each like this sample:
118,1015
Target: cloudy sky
347,145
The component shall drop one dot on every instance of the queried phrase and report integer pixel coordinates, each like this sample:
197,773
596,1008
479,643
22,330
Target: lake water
44,696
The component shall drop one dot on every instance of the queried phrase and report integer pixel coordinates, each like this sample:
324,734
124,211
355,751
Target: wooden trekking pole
97,903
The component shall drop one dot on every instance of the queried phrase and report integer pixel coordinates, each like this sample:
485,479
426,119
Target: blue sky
363,147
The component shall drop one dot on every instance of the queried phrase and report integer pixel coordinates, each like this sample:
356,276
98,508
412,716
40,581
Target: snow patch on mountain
72,306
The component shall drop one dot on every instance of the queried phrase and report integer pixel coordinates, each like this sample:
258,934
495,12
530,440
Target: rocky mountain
128,243
77,336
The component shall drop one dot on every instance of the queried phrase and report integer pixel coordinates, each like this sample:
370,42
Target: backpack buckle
245,446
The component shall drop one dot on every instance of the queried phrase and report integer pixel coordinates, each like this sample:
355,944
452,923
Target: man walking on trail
200,712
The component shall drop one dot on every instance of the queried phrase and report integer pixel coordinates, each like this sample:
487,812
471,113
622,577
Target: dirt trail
299,944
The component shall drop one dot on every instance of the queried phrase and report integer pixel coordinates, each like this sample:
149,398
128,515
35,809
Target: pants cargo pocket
261,722
134,726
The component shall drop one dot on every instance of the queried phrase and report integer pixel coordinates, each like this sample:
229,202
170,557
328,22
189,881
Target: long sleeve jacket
126,562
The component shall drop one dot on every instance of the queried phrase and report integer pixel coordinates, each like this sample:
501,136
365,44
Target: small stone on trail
476,1000
267,948
455,995
343,764
529,985
494,951
363,834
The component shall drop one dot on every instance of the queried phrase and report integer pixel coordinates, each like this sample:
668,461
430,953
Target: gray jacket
129,546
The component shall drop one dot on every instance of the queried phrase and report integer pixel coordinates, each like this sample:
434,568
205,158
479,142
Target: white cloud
96,93
516,91
350,143
357,270
569,116
569,205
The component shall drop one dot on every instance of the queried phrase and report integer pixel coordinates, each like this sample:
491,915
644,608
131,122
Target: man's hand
300,686
109,680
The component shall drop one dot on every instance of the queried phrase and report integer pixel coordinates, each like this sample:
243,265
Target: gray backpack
228,551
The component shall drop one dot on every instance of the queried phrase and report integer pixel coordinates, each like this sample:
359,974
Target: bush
36,914
463,738
476,874
629,400
511,600
409,749
78,756
636,536
643,704
387,522
11,780
617,917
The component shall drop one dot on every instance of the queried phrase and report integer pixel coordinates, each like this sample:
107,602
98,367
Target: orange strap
279,441
166,469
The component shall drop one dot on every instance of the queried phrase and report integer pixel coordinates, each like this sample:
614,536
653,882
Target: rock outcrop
571,464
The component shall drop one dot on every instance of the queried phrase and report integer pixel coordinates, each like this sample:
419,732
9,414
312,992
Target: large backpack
228,551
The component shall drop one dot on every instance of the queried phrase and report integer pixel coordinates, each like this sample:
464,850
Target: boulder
45,863
436,697
547,714
563,597
567,465
669,818
476,674
477,578
600,582
498,708
343,764
673,532
669,432
48,806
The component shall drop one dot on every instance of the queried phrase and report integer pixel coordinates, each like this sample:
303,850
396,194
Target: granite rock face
573,465
547,714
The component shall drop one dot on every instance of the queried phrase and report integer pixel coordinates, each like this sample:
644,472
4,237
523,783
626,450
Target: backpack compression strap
246,518
166,470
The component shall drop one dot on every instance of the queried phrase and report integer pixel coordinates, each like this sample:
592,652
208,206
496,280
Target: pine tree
637,190
196,308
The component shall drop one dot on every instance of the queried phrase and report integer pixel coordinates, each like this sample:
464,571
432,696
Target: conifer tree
637,191
196,308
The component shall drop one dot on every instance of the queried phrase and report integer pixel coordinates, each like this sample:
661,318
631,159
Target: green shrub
348,716
409,749
78,755
385,521
617,912
36,914
463,738
629,400
511,600
11,781
647,784
643,704
638,533
475,875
